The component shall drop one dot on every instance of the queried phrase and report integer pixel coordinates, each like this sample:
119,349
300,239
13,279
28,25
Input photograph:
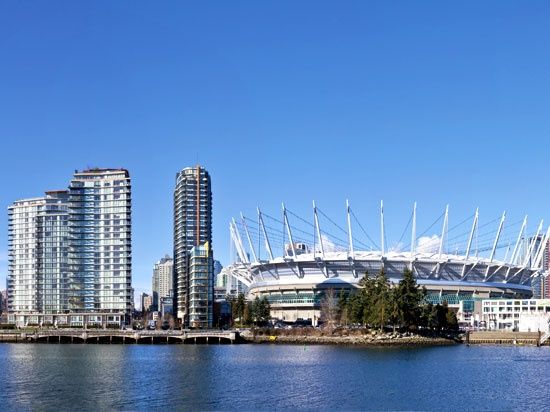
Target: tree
366,300
409,298
394,308
238,308
263,313
354,308
247,317
343,299
452,321
329,308
380,299
429,316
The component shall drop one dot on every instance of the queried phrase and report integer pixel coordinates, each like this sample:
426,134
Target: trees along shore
252,313
379,304
376,304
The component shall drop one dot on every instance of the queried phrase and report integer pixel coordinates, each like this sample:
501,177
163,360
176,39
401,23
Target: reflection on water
129,377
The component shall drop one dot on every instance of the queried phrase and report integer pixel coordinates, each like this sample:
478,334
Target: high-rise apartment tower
70,252
37,248
192,227
100,241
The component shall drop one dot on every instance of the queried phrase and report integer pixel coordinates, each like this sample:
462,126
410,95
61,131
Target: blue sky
280,101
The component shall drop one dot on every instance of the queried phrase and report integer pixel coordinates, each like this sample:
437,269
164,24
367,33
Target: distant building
192,228
146,302
219,280
166,305
3,301
531,249
163,279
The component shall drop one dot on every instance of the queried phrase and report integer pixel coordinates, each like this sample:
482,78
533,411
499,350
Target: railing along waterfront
119,336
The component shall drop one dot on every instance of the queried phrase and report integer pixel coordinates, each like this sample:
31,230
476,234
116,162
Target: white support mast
540,252
267,244
289,232
520,235
318,228
238,242
413,234
444,230
350,236
382,234
532,245
507,252
474,229
497,237
248,238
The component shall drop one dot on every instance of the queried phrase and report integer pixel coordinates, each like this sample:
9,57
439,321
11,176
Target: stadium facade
295,281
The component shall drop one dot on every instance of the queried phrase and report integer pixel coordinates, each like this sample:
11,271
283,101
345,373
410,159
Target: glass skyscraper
192,227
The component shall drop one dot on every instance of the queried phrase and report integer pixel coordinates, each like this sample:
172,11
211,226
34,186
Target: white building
523,315
70,251
37,275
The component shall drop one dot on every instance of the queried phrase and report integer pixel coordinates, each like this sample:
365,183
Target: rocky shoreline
364,339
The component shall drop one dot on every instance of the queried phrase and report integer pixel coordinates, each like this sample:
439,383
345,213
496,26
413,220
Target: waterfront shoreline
356,338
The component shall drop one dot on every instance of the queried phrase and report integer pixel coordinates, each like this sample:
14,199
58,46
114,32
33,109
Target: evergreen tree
343,307
237,308
380,299
451,320
409,297
441,314
247,314
354,308
264,313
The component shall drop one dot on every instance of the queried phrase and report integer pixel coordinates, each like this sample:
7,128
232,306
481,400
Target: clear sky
289,101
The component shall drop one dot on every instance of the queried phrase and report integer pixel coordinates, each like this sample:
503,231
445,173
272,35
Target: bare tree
329,309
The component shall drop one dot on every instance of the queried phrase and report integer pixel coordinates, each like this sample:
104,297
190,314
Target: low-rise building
524,315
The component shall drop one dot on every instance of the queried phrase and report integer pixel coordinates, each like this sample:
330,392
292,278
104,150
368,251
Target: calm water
252,377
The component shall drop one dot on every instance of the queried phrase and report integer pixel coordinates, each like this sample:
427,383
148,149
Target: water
252,377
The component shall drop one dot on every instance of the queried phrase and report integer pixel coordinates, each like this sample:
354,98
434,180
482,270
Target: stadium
460,265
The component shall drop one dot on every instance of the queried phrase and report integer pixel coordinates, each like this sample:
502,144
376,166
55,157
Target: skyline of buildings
70,251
